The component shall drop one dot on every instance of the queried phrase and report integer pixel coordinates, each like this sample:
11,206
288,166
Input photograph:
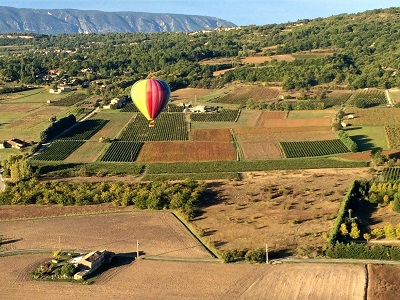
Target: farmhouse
13,143
116,103
60,90
91,262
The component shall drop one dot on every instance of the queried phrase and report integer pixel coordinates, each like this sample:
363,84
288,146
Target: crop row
393,136
312,148
58,150
84,130
251,165
226,115
130,107
70,100
336,99
122,151
368,97
390,174
168,127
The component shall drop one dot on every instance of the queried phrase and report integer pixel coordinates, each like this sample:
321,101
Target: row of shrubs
361,251
57,127
254,256
347,141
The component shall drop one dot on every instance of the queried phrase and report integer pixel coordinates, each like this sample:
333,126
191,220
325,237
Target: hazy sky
240,12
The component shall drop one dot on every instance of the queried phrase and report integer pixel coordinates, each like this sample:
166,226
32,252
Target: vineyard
368,98
168,127
70,100
225,115
122,151
312,148
58,150
336,99
390,174
84,130
130,107
375,116
393,136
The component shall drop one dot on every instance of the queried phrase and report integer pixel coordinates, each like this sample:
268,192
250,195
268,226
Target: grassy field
368,137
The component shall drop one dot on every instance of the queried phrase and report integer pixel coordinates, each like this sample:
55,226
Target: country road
2,184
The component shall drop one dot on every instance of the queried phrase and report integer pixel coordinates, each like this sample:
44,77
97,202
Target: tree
354,232
68,270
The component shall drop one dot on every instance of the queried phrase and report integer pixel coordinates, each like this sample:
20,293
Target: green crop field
369,97
368,137
225,115
168,127
84,130
58,150
122,151
312,148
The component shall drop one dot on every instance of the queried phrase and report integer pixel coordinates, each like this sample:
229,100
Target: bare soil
186,151
383,282
147,279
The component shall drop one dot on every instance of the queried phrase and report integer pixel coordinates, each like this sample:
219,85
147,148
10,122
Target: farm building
91,262
199,109
60,90
116,103
13,143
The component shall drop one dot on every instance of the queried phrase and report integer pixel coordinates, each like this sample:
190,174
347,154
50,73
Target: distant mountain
58,21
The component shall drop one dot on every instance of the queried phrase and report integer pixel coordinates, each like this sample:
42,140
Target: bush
256,256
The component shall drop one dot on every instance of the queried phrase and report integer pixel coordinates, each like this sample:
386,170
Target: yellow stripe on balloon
138,94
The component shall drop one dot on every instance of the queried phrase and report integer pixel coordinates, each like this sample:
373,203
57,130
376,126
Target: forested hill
345,51
59,21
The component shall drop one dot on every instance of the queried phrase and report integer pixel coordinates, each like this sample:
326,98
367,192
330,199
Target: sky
239,12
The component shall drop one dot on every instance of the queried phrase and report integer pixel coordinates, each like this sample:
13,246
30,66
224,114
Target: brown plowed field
159,234
186,151
217,135
383,282
146,279
265,145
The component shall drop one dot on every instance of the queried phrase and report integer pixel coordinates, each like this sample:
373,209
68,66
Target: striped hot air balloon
150,96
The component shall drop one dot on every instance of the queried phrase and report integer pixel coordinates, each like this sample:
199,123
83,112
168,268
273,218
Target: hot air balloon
150,96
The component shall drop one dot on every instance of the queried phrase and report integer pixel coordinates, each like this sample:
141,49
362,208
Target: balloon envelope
150,96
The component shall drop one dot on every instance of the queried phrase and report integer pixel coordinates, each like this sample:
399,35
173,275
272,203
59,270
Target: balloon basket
151,123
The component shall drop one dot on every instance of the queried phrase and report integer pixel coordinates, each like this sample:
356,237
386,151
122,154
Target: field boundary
186,226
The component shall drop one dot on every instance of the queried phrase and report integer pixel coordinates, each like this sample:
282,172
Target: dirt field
290,210
159,234
146,279
383,283
188,95
186,151
217,135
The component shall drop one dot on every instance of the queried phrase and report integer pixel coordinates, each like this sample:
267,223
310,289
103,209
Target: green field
368,137
305,114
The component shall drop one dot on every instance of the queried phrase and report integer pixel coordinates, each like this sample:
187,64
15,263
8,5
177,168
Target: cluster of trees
16,168
57,127
183,197
361,52
385,193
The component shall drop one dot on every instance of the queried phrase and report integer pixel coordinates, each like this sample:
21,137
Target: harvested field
88,152
383,282
188,95
216,135
146,279
159,234
292,210
262,59
379,116
240,94
186,151
264,121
